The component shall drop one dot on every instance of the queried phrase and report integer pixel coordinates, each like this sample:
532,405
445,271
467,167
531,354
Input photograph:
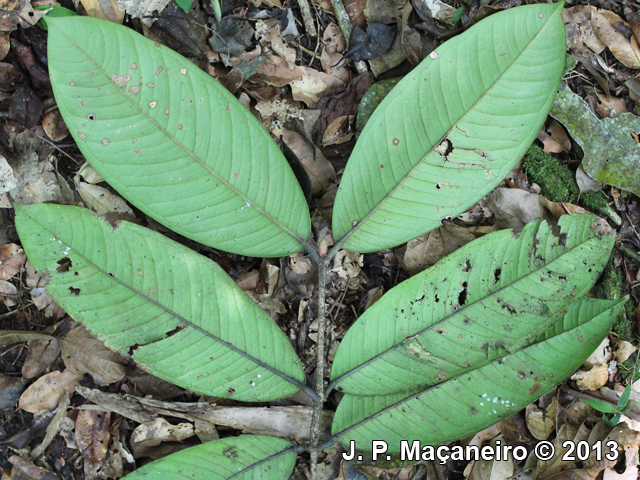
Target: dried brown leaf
83,353
593,379
54,126
615,41
92,434
161,431
542,422
333,39
105,9
41,354
44,394
426,250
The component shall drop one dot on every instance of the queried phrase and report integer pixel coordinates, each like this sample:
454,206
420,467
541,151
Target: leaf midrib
336,382
421,392
186,322
409,174
189,153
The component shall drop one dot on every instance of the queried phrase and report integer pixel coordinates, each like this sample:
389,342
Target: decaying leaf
312,85
610,151
319,169
101,200
585,182
44,301
8,293
143,9
333,39
513,208
11,260
92,434
542,422
161,431
106,9
426,250
592,379
601,355
10,390
89,174
231,36
623,349
621,48
41,354
494,469
44,394
83,353
24,469
54,125
36,181
347,264
14,13
7,179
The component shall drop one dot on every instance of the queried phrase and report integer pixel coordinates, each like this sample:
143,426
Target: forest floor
313,90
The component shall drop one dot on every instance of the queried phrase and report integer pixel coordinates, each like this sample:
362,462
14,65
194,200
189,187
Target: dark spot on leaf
438,185
74,291
396,141
467,266
535,388
65,264
91,116
230,452
474,411
521,375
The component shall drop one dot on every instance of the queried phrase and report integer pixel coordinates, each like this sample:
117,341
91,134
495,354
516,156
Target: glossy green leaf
600,406
474,400
173,141
491,297
242,458
452,129
184,318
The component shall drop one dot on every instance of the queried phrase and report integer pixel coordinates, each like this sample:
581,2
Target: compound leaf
185,319
173,141
491,297
452,129
244,457
474,400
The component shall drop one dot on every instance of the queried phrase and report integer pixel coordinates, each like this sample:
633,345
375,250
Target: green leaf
624,398
452,129
173,141
474,400
457,15
613,421
492,296
600,406
610,149
184,4
244,457
631,406
184,318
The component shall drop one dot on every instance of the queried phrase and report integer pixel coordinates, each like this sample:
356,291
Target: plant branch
320,343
